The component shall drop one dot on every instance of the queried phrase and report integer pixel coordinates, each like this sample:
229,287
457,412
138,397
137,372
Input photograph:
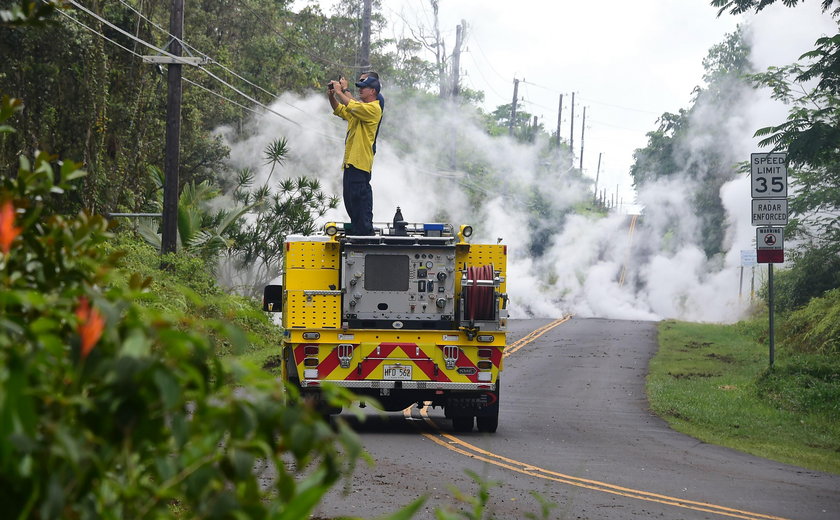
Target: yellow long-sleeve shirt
362,121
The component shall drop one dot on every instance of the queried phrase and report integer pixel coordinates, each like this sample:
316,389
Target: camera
330,85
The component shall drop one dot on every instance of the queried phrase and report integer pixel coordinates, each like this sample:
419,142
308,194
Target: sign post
768,174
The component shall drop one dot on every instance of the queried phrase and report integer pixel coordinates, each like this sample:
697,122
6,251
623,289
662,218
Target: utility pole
559,119
513,106
572,131
597,175
169,235
364,57
460,33
582,132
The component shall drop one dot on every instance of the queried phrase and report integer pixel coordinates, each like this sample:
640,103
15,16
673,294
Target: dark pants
358,200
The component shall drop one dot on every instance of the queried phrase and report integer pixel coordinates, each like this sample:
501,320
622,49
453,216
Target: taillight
484,365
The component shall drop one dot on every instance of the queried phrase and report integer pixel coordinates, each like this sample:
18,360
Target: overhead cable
123,47
208,57
188,46
75,20
181,60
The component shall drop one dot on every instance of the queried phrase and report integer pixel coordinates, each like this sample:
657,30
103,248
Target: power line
179,59
212,60
488,61
202,87
123,47
75,20
619,127
486,83
190,47
593,100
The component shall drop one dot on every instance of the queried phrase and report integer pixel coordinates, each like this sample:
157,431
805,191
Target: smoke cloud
437,162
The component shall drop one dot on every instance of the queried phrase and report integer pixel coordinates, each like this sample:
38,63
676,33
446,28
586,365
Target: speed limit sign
769,175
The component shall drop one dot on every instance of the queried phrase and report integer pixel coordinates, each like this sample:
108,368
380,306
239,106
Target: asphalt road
574,427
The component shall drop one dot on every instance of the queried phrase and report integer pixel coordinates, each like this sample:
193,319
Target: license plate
397,372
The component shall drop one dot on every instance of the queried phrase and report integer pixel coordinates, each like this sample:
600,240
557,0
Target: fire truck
412,314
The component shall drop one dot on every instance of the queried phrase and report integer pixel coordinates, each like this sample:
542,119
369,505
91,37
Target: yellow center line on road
462,447
516,345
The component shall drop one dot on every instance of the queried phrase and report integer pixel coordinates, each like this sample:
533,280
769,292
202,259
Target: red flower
8,231
90,325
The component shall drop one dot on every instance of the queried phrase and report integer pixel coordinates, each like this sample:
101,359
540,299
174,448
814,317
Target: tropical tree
290,206
201,231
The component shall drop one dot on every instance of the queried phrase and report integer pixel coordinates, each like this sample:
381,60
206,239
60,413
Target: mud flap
484,404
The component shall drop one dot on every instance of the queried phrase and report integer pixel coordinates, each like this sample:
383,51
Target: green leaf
170,389
408,512
307,498
135,345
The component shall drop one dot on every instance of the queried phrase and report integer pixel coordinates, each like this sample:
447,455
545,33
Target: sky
630,67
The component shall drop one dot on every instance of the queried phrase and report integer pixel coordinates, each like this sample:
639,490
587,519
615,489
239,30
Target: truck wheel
462,423
488,424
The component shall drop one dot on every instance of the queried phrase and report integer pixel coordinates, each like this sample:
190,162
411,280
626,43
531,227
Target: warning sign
770,245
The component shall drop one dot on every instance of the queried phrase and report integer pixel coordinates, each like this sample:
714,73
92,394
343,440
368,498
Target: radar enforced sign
769,212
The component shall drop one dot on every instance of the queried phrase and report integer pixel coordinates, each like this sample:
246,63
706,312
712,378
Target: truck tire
488,424
463,423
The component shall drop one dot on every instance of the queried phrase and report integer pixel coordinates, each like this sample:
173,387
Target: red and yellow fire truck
412,314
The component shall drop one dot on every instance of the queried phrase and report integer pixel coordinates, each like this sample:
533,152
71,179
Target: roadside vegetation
188,287
713,382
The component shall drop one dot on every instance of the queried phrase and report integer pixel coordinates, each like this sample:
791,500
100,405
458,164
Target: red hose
480,298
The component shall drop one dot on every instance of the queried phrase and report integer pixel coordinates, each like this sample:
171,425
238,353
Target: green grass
713,382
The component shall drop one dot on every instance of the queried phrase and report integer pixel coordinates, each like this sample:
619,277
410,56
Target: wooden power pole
582,132
572,131
169,235
460,33
559,119
513,106
597,175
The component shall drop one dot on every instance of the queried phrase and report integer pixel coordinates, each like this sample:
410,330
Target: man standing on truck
363,119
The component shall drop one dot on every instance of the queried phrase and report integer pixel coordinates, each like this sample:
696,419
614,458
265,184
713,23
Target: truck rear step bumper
405,385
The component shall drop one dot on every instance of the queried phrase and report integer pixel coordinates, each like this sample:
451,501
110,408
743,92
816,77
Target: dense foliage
109,409
813,272
816,326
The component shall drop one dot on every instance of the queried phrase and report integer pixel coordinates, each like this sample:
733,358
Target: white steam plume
619,267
